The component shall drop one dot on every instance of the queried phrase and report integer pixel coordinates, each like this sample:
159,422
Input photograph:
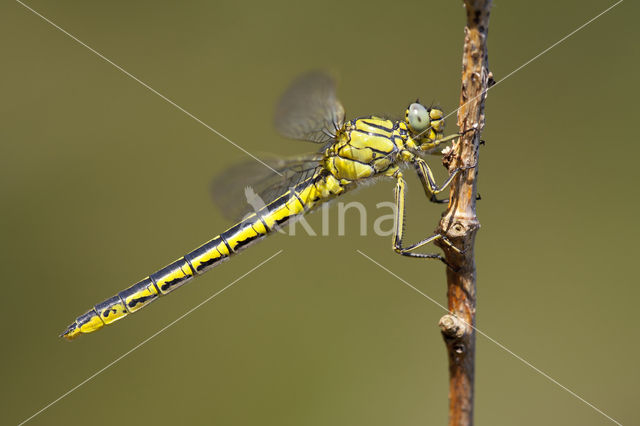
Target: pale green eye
418,117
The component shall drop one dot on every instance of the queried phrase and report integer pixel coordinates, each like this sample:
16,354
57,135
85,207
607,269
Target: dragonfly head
425,124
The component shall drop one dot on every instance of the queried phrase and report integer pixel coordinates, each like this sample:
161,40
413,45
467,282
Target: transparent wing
309,109
247,187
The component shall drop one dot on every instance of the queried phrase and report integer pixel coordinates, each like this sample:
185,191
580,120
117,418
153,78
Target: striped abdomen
294,202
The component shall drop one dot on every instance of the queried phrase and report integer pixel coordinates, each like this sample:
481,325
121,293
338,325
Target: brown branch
460,223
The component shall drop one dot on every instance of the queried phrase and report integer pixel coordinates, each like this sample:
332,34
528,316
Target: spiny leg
399,229
435,146
431,189
430,148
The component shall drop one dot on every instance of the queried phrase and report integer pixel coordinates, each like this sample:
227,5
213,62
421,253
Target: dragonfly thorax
365,147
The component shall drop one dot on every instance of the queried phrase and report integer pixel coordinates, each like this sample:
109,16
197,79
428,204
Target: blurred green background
103,182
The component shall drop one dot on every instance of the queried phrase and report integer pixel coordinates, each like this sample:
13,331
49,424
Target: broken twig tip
452,326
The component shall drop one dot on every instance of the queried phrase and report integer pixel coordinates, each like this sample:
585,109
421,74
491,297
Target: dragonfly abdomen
256,226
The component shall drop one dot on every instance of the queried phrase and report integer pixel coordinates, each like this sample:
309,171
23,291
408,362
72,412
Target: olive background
103,182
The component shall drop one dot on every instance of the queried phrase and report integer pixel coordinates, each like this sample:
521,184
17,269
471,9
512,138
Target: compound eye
418,117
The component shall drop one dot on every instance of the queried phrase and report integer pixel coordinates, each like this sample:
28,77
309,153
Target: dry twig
460,223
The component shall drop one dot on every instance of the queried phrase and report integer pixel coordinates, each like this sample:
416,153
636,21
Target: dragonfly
353,152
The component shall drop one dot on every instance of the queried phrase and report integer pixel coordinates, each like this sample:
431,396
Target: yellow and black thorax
365,147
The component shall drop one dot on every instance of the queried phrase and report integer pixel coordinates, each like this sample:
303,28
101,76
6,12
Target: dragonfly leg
399,229
431,147
431,189
434,147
